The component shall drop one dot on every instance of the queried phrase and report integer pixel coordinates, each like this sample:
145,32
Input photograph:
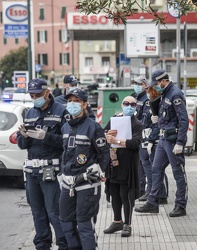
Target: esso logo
92,19
17,13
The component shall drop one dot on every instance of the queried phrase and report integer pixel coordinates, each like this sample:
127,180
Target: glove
23,130
36,134
89,176
178,149
149,147
154,118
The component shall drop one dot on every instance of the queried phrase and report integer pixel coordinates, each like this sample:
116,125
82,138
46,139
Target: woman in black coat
123,172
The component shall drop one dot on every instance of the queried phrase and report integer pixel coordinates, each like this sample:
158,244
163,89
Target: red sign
89,19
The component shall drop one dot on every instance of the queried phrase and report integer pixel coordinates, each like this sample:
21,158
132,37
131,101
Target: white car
11,156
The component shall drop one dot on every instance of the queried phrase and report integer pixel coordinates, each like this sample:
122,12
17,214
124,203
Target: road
15,216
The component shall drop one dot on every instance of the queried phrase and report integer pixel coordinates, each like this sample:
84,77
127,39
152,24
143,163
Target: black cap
158,75
70,79
37,85
79,93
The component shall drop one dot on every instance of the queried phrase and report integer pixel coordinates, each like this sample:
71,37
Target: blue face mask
148,96
158,88
137,88
74,108
128,110
39,102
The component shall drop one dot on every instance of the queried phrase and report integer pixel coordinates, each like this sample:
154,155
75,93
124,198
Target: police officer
85,153
173,124
150,137
70,83
44,147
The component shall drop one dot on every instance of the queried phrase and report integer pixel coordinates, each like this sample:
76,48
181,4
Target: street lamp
29,41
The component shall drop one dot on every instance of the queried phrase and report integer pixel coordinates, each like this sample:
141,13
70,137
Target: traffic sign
38,68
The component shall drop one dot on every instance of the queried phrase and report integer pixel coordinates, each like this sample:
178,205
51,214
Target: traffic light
7,82
40,74
108,78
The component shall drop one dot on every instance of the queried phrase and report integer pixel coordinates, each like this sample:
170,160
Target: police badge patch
177,101
81,159
100,142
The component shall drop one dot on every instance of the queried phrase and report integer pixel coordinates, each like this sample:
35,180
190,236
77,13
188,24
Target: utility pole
29,41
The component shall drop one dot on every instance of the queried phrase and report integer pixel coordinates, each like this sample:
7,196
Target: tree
119,10
14,60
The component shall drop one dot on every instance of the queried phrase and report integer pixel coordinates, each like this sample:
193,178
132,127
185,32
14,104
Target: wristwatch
119,141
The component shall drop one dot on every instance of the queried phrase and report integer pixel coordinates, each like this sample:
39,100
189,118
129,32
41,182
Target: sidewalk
152,231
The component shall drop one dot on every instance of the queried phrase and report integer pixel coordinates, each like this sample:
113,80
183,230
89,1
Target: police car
11,156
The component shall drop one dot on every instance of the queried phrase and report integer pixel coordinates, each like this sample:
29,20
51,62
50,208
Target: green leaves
119,10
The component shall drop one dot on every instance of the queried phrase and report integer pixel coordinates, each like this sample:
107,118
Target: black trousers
120,197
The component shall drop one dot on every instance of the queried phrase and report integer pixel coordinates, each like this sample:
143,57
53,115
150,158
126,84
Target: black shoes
147,208
163,201
114,227
144,197
177,212
126,232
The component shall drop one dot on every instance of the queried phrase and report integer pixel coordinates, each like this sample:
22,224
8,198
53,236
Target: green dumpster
109,102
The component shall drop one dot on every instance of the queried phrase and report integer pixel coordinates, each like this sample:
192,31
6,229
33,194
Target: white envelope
123,125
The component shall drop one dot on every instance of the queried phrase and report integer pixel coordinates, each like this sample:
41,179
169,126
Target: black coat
129,163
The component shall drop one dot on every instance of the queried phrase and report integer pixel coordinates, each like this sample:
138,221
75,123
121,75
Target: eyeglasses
132,104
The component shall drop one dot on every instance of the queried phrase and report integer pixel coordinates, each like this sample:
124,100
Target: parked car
22,97
7,94
12,157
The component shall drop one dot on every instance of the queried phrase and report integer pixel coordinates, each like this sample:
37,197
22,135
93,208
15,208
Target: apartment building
95,47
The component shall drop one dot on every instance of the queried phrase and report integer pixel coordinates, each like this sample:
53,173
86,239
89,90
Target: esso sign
89,19
17,13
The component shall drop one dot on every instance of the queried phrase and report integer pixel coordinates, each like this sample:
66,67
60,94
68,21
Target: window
43,59
1,17
63,12
89,61
64,58
105,61
63,36
41,17
16,40
42,36
4,41
168,68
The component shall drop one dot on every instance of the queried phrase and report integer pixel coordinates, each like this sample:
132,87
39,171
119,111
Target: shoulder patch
67,117
101,141
177,101
147,103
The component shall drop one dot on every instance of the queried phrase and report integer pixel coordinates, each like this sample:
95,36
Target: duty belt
82,187
162,132
144,144
35,163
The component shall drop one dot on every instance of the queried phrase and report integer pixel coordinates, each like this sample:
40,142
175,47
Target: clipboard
154,105
123,125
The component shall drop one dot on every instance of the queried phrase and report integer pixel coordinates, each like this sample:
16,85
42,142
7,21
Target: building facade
96,46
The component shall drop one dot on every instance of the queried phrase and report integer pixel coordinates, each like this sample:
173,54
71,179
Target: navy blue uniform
173,122
61,99
150,134
43,196
84,146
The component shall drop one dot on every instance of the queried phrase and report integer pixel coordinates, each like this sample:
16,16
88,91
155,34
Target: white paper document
123,125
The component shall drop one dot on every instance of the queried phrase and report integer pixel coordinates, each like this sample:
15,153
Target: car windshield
9,90
7,120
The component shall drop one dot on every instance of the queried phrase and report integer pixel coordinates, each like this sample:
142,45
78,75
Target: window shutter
46,59
60,58
45,36
68,58
4,41
63,12
16,40
39,59
60,36
38,34
41,14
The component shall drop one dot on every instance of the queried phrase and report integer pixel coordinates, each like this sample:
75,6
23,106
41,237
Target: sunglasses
132,104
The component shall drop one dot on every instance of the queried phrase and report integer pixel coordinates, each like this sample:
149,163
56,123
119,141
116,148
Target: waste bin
109,102
191,111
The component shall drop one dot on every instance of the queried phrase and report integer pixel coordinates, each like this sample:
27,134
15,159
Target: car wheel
20,182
